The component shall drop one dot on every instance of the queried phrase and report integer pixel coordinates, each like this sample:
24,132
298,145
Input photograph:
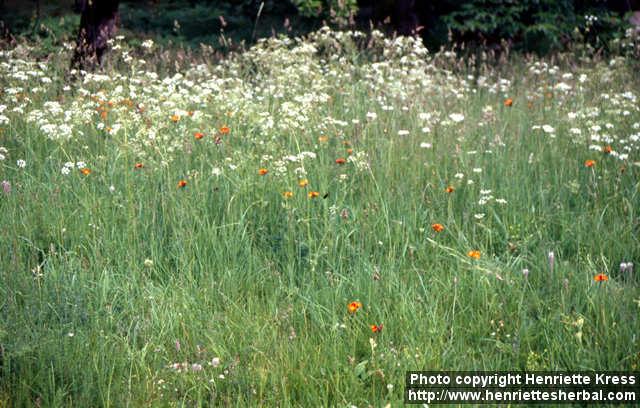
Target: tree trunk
97,26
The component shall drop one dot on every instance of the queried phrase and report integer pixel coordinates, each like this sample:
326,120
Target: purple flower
6,186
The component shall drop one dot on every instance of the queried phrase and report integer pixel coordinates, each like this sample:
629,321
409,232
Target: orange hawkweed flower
225,130
139,165
287,194
303,182
175,118
313,194
263,171
475,254
354,306
590,163
601,277
349,151
340,160
607,149
375,328
449,189
198,135
437,227
182,183
322,139
85,170
508,102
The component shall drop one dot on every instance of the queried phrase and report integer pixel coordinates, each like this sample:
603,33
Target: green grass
98,285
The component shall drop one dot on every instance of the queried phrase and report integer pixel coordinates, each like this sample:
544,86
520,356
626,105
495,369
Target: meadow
301,223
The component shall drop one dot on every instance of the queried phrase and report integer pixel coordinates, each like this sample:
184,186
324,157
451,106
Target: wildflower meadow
302,222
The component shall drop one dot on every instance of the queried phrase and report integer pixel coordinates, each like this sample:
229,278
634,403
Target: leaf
361,369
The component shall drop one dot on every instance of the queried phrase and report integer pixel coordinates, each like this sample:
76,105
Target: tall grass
119,288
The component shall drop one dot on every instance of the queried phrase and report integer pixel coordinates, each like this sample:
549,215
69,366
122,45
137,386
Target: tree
98,24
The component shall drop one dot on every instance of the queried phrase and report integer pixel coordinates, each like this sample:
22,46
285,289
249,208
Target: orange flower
354,306
349,151
313,194
322,139
287,194
263,171
340,160
182,183
86,171
607,149
475,254
139,165
303,182
601,277
449,189
225,130
437,227
198,135
590,163
508,102
375,328
190,113
175,118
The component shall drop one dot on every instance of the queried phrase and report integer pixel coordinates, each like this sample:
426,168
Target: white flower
215,362
112,188
459,176
372,115
501,201
575,131
148,263
403,132
425,145
65,170
548,129
21,163
216,171
478,216
477,170
426,129
456,117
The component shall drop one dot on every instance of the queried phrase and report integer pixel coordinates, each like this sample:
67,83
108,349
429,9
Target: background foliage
530,25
